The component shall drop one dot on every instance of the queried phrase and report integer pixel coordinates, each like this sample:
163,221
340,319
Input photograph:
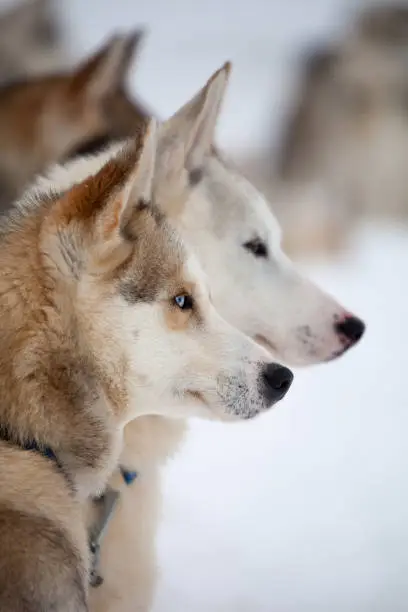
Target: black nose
351,328
275,380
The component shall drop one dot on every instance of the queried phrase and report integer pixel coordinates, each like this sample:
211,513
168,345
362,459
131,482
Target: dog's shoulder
39,567
43,546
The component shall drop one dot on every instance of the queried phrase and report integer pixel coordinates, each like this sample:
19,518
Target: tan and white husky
106,316
44,118
237,239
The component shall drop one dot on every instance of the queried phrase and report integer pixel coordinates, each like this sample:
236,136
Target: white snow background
306,508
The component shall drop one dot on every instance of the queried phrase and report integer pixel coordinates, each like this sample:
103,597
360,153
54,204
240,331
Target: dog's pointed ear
129,180
187,137
105,206
133,45
105,72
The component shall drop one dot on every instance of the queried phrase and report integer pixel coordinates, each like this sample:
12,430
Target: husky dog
344,149
32,40
43,119
231,227
105,317
309,193
385,23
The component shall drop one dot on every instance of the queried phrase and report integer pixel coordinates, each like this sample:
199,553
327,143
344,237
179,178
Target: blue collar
30,445
129,476
46,451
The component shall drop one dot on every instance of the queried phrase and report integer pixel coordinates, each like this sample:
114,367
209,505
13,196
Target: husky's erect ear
186,138
103,209
105,72
133,45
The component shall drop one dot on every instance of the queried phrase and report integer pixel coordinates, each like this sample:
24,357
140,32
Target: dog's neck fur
51,385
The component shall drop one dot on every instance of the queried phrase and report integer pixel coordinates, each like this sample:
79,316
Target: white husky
253,285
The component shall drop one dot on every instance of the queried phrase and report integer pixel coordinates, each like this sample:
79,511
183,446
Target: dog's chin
338,353
225,415
196,397
202,407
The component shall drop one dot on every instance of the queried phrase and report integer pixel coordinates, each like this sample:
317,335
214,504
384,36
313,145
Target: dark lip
197,396
338,353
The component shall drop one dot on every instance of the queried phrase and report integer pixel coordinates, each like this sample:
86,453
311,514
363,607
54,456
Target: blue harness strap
107,504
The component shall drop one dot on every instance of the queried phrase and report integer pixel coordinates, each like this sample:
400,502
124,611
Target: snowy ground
305,509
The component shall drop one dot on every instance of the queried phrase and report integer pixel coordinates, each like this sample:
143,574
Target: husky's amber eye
257,247
184,301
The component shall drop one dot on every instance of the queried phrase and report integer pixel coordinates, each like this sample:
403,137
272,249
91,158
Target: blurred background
306,508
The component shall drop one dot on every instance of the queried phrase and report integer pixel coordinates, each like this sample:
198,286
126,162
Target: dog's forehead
159,265
194,274
236,202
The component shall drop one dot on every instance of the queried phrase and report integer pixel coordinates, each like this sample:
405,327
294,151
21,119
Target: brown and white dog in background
43,119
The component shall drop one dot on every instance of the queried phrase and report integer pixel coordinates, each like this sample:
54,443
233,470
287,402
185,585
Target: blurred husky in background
32,40
344,149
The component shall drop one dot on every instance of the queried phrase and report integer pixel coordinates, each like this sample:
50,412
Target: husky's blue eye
184,301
